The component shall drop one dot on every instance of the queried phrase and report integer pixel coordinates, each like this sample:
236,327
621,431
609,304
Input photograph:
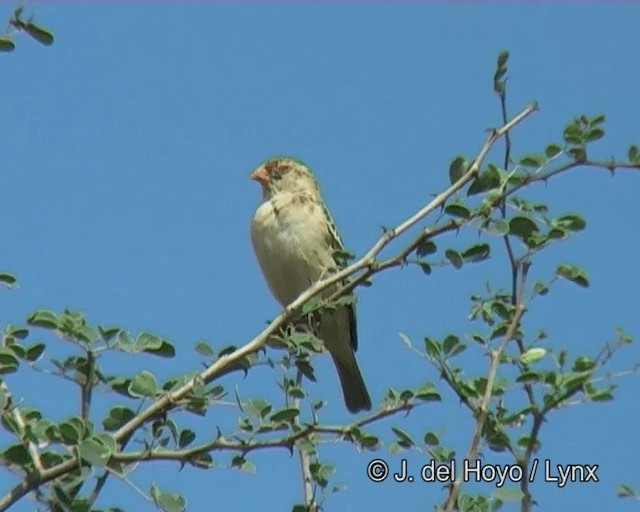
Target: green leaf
572,222
522,226
454,258
204,349
432,347
583,364
43,318
487,180
284,415
431,439
152,344
634,153
426,268
16,454
257,407
597,119
449,343
34,351
477,252
540,288
404,439
532,160
39,33
72,430
532,355
552,150
8,361
573,273
144,385
425,248
528,377
595,134
6,44
118,416
458,209
457,169
187,436
168,502
5,277
501,226
313,304
428,393
94,451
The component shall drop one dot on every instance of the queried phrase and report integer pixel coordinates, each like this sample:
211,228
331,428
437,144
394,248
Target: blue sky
126,152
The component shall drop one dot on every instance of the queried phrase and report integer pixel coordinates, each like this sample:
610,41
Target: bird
294,239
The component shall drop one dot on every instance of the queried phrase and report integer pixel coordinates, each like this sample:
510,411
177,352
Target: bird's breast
289,245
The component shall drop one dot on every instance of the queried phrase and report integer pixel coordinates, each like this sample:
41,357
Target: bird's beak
260,175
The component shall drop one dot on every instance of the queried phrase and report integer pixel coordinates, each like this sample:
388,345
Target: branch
483,406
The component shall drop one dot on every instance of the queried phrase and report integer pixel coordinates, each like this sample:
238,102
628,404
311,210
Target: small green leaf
8,361
284,415
595,134
457,169
144,385
532,355
432,347
634,153
487,180
501,226
166,501
522,226
540,288
425,248
426,268
118,416
477,252
431,439
5,277
204,349
39,33
449,343
6,44
94,451
458,209
34,351
43,318
572,222
187,436
552,150
454,258
583,364
528,377
532,160
573,273
404,439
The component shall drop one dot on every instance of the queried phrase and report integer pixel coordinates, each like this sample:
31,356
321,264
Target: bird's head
284,174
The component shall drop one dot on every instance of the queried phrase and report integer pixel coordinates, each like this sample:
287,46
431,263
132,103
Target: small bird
295,239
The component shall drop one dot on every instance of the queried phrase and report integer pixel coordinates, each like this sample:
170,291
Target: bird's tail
356,396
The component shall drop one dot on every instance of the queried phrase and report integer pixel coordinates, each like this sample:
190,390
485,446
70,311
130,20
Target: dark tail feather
356,396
